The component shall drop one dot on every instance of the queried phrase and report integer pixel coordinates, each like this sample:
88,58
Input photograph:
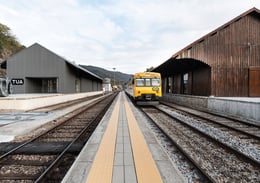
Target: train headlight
155,89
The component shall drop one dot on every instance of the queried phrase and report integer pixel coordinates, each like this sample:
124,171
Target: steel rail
257,137
67,147
208,177
248,122
242,155
48,131
65,104
43,176
246,158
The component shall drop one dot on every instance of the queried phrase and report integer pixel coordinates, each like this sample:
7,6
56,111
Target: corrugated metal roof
3,64
83,69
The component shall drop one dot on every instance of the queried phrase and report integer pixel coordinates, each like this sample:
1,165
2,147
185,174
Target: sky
127,35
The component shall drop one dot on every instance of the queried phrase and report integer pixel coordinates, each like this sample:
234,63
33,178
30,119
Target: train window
148,82
139,82
155,82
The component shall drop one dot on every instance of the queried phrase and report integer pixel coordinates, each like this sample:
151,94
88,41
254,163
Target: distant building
38,70
107,85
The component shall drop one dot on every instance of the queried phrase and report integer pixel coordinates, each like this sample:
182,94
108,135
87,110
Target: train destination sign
17,81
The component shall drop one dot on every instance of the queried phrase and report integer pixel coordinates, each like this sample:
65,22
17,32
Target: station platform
243,108
26,102
123,150
17,123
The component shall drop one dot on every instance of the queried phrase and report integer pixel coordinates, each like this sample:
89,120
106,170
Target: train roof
147,74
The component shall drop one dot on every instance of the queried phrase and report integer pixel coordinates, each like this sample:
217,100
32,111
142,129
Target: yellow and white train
147,89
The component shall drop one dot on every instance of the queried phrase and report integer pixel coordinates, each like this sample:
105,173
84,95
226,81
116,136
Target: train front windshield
156,82
147,82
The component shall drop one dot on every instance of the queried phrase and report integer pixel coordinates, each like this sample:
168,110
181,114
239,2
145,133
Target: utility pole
114,76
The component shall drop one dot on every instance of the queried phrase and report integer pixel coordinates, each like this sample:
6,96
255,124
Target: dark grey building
38,70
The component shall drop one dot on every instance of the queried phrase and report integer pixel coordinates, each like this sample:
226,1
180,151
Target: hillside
9,45
120,77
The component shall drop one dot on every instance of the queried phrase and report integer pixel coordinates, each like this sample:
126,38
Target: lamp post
114,76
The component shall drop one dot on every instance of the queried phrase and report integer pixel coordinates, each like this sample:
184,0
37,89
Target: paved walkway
120,152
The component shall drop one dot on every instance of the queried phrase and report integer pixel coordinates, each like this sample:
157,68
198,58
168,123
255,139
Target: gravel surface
242,144
220,164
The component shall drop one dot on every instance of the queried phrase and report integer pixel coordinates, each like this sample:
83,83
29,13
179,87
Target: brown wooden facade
226,62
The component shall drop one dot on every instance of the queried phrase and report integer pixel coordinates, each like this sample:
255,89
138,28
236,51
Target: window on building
173,84
169,84
77,85
49,85
185,83
189,52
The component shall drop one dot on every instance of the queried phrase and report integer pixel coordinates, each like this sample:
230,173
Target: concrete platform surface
124,165
25,102
15,124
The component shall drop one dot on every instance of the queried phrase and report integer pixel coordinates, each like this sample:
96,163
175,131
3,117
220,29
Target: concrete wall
69,81
187,100
241,108
23,103
86,85
237,107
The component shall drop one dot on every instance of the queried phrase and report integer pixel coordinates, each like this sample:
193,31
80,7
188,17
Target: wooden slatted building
225,62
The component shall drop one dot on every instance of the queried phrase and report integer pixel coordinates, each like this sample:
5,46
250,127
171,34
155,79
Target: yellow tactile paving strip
102,168
145,167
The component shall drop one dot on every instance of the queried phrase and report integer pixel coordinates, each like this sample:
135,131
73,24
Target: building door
41,85
77,85
254,82
184,84
49,85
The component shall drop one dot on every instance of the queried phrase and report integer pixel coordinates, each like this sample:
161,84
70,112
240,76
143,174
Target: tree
8,42
149,69
9,45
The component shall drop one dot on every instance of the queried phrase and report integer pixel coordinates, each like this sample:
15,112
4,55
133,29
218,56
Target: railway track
218,160
245,127
241,136
64,104
48,156
13,117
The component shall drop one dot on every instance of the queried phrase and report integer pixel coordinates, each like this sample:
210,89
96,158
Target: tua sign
17,81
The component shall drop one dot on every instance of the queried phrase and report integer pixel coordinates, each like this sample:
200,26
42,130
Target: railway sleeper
43,148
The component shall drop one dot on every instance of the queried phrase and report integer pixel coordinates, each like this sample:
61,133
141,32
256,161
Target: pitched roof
253,11
3,64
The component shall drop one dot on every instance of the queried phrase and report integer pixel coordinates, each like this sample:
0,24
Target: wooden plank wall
254,82
230,51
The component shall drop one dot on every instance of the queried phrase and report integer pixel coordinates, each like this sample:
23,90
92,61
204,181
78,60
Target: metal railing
5,87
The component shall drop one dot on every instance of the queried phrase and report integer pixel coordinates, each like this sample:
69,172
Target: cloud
128,35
